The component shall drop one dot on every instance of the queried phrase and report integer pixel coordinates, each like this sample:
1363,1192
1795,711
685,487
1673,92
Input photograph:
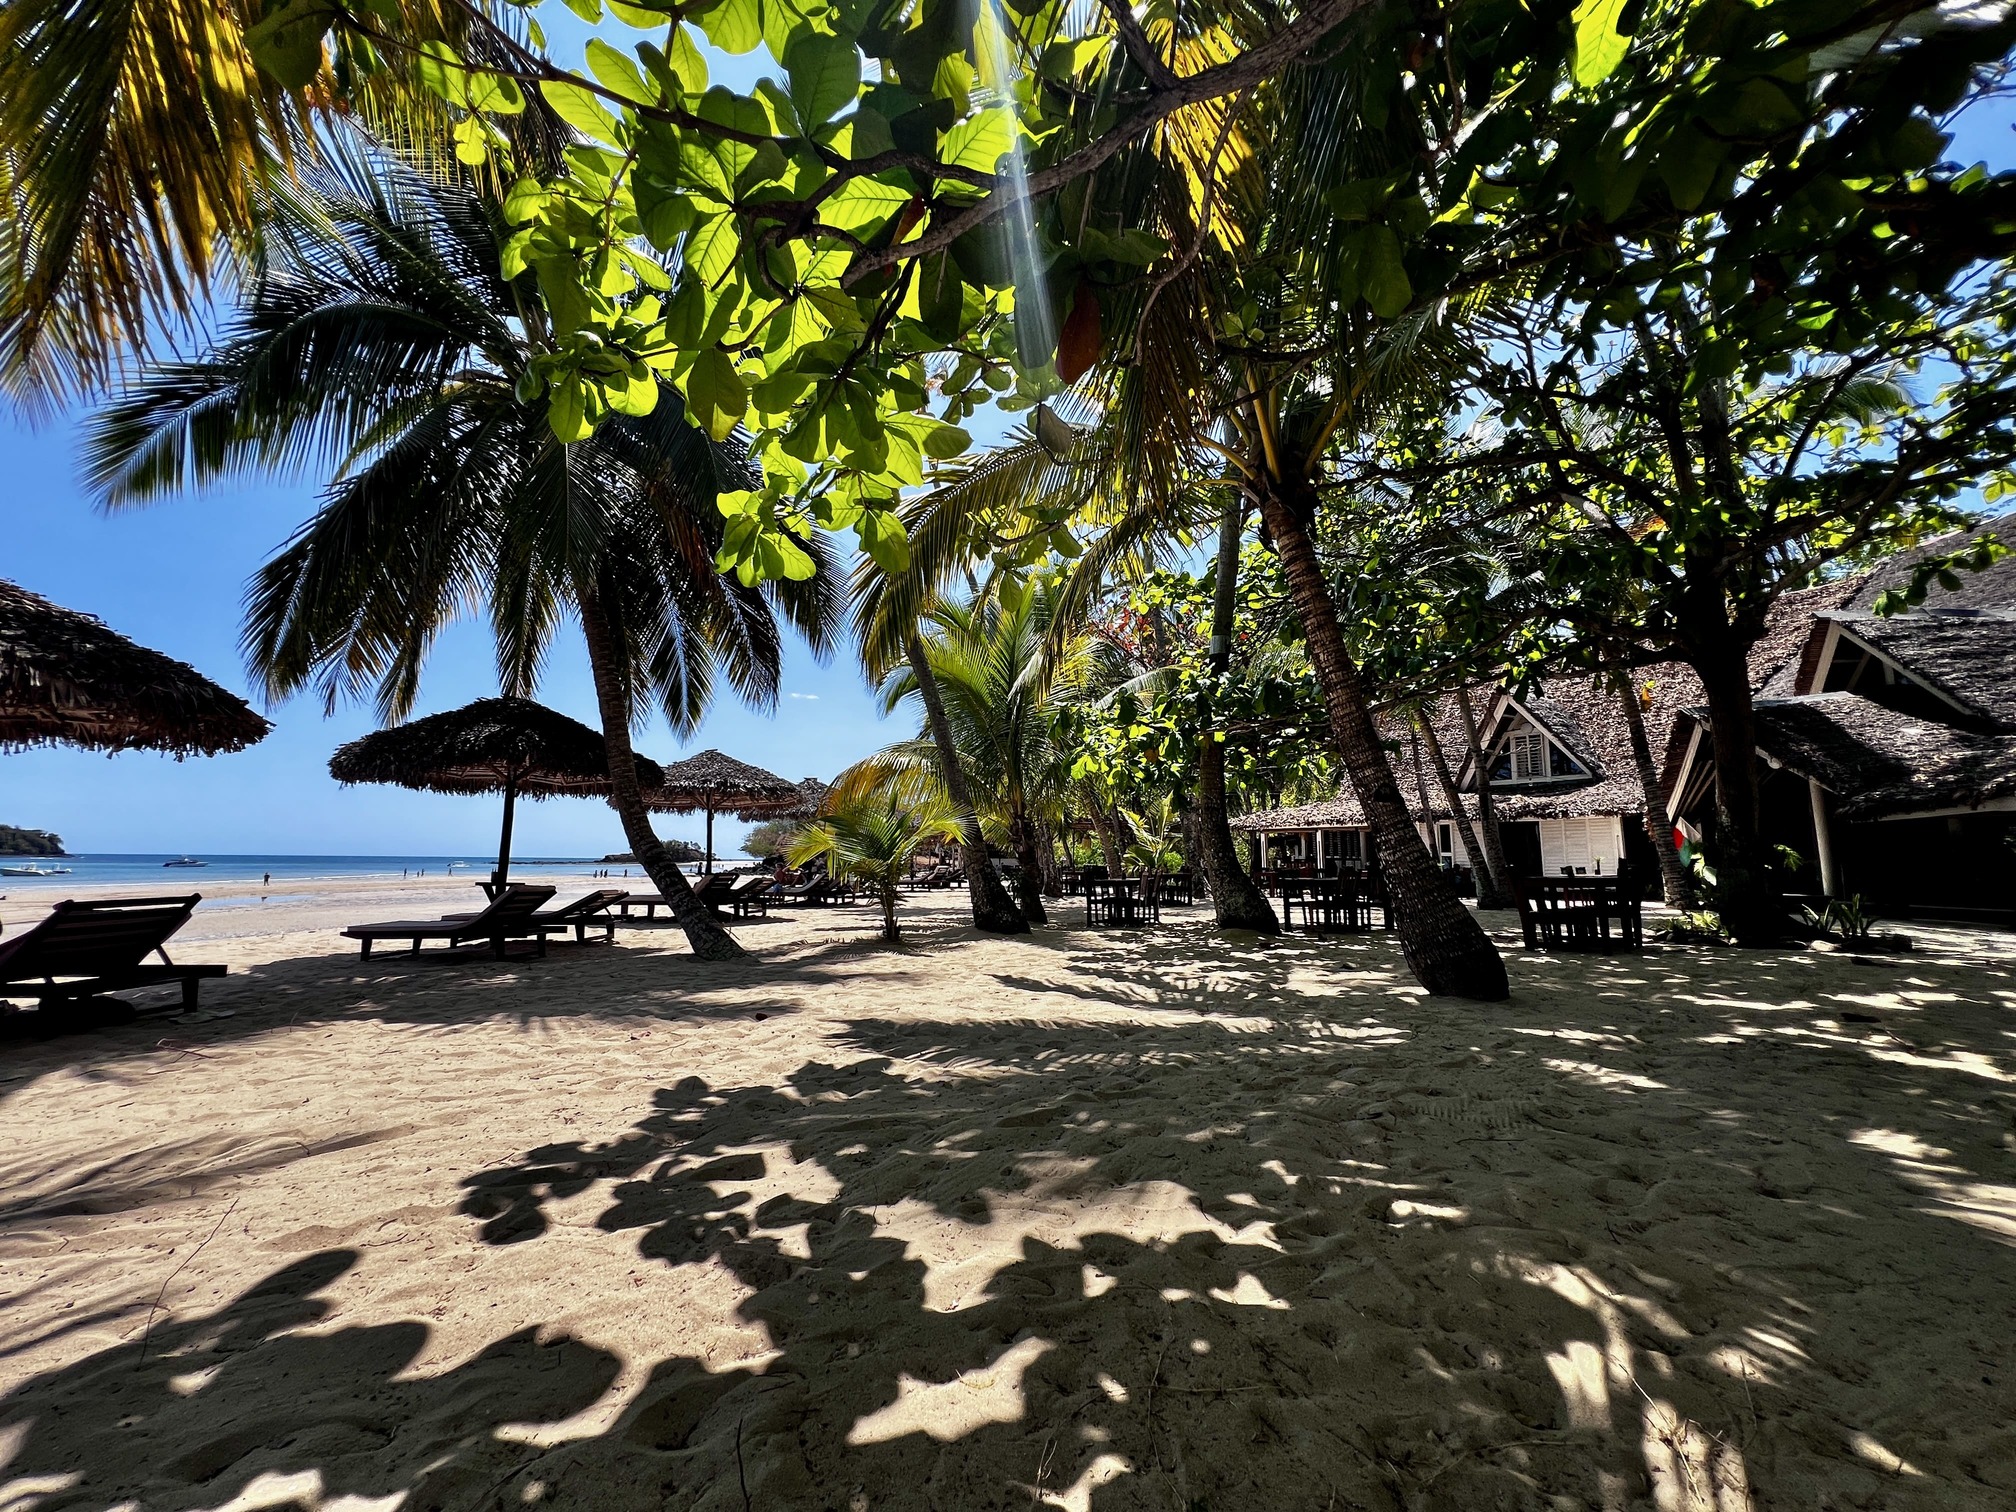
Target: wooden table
1330,905
1580,913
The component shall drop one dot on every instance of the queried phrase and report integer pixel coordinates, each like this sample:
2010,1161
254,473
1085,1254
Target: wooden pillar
1823,841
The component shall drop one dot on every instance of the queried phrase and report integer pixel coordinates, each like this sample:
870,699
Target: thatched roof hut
812,798
483,747
65,678
720,784
713,783
511,746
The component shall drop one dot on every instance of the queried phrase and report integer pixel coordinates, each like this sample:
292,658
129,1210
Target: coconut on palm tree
382,348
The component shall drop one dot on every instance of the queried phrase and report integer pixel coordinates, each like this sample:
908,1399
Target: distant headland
28,842
678,850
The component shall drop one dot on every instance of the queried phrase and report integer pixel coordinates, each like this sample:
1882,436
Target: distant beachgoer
268,880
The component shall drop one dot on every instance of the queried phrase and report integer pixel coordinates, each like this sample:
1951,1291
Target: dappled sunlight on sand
1089,1221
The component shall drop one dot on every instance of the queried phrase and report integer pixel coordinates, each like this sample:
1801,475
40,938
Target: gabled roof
1967,658
1878,762
1991,588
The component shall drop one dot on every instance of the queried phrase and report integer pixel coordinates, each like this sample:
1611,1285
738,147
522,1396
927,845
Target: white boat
32,870
185,861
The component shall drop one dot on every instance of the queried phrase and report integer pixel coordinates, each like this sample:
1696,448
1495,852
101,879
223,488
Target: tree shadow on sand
1702,1235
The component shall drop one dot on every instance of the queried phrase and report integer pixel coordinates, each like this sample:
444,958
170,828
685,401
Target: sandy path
1086,1221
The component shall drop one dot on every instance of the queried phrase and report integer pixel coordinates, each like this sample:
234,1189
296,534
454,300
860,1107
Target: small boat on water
185,861
32,870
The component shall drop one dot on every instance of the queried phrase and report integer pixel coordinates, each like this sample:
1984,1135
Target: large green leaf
287,42
1599,46
734,26
617,73
825,75
979,141
1382,276
716,396
578,107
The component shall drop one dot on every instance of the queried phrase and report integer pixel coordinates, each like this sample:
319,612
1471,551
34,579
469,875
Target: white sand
1085,1221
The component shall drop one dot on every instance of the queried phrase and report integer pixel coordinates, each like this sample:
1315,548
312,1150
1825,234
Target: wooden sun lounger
511,917
801,894
83,950
583,914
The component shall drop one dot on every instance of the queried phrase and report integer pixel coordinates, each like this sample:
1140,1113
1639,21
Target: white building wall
1594,845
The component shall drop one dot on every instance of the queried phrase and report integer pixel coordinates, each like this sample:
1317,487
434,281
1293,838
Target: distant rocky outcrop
678,850
27,842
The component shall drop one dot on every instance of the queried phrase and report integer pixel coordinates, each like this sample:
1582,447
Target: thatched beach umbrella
511,746
66,679
718,784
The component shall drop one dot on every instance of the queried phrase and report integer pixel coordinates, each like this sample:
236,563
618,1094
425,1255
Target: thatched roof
722,784
1991,588
1969,657
483,745
811,798
1342,812
67,679
1876,761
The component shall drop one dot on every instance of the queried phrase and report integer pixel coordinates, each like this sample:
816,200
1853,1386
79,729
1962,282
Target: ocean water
145,874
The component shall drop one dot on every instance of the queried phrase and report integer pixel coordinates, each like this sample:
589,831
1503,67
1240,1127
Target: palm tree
874,840
139,137
381,346
887,611
1002,687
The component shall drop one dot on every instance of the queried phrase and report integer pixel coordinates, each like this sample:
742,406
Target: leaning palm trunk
1672,880
1491,891
1446,949
1487,805
709,940
1236,899
993,910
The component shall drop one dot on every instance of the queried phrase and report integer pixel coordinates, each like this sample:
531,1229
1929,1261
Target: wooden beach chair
591,911
1580,913
741,896
800,895
83,950
511,917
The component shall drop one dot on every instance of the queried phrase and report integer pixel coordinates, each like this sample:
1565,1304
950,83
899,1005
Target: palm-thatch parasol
811,798
508,745
67,679
719,784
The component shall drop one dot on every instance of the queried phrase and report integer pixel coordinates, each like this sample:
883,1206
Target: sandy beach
1090,1221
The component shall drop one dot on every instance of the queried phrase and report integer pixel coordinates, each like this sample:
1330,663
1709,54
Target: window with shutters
1527,754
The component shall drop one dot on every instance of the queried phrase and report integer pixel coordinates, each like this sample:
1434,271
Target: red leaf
1078,341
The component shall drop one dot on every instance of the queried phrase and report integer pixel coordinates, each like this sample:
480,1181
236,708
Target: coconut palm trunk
1236,899
1658,829
1446,948
708,939
1487,805
1022,839
993,910
1491,889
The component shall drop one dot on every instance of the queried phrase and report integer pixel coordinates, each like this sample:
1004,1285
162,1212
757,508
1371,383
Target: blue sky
173,577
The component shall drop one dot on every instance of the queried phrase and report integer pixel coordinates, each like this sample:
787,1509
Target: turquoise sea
150,873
